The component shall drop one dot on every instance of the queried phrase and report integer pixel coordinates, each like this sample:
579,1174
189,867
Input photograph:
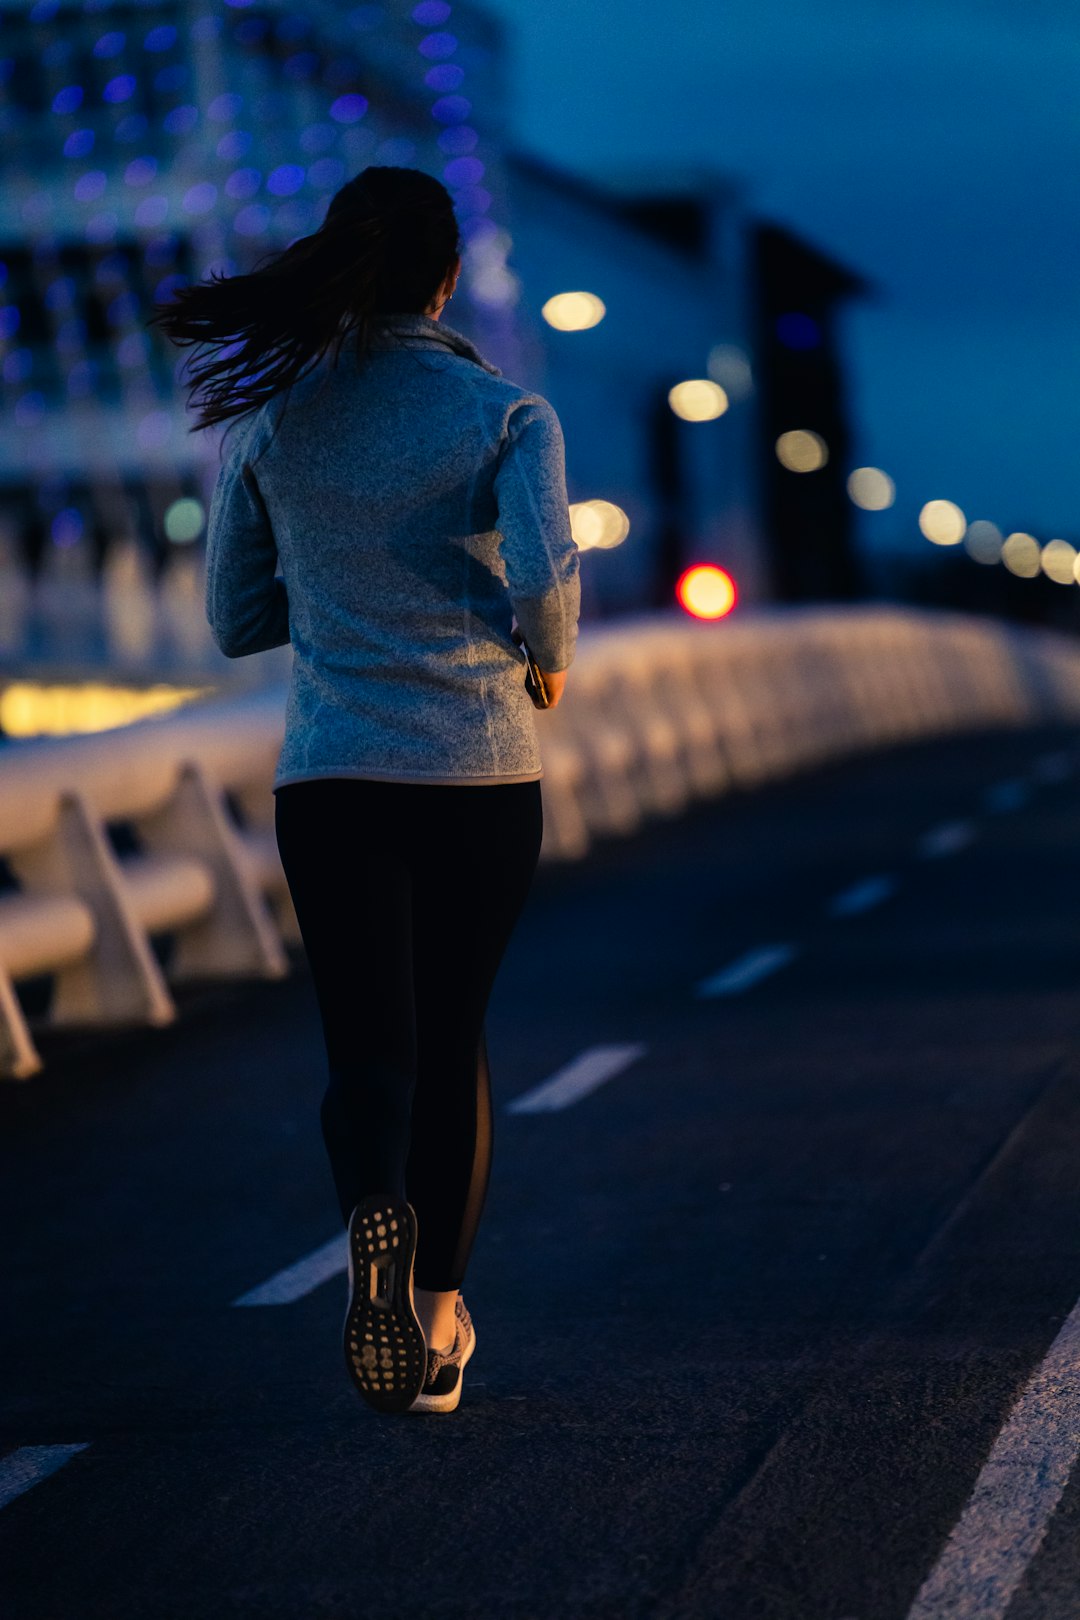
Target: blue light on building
150,147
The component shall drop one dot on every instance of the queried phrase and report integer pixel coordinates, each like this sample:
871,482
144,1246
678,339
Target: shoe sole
446,1403
385,1352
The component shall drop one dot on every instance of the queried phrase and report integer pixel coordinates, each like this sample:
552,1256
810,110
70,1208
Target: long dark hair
387,243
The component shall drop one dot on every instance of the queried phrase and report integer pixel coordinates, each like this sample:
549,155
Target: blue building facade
147,145
678,307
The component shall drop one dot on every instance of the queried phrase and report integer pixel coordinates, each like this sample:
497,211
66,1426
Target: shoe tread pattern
384,1344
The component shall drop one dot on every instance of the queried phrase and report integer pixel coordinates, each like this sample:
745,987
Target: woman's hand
554,680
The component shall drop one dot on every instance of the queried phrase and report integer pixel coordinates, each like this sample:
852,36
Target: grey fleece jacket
416,504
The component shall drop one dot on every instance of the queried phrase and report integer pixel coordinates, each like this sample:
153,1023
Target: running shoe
385,1351
444,1377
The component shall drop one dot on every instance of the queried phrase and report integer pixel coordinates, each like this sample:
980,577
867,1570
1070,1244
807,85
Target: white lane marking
747,970
946,839
861,896
1005,796
27,1466
1057,767
1021,1483
576,1079
284,1287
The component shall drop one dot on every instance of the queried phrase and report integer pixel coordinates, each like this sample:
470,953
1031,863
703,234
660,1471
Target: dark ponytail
389,240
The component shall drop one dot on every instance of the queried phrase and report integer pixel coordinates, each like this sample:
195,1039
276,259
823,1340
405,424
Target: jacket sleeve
247,607
541,556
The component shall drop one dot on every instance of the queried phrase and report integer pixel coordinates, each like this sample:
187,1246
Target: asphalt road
753,1314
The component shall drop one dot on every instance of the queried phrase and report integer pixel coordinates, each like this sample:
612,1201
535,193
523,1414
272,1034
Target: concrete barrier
163,830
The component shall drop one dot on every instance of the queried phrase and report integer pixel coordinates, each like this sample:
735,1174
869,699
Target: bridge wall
143,858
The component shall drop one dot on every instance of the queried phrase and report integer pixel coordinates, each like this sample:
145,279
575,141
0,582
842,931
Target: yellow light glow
801,451
598,524
1058,562
698,399
1022,554
983,541
871,489
573,311
943,523
184,521
706,592
28,709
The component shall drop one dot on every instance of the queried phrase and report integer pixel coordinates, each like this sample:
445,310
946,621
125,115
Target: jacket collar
420,331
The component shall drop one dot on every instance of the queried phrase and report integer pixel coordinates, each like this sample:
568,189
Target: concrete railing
164,830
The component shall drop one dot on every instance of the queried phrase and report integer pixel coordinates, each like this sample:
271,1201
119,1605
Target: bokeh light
871,489
801,451
698,399
599,524
429,13
798,331
729,366
184,521
1058,562
983,541
1022,554
943,523
573,311
706,591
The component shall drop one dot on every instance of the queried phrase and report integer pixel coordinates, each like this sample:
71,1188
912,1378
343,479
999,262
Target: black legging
406,895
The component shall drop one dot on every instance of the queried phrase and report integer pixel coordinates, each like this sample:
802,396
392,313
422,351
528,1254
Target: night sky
933,146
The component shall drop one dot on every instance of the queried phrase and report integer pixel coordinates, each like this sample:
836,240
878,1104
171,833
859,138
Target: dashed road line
1020,1485
29,1465
577,1079
862,896
747,970
285,1287
1005,796
948,838
587,1071
598,1064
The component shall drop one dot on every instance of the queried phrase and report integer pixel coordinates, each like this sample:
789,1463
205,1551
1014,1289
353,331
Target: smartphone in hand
535,684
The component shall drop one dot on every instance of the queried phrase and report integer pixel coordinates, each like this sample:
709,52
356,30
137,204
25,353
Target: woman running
416,500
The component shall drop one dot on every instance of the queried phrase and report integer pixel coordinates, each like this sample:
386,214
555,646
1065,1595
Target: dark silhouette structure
669,486
807,516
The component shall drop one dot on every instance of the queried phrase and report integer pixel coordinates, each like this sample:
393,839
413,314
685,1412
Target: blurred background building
152,144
